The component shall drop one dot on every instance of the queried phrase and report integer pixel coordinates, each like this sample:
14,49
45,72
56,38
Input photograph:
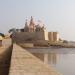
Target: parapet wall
5,56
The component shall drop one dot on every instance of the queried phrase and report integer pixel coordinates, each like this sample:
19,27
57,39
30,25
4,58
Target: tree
2,34
65,41
12,30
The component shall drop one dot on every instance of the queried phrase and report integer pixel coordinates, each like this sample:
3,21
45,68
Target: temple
34,32
32,27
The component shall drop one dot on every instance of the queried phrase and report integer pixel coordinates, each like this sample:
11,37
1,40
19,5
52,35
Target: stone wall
46,35
5,57
29,36
23,36
34,36
50,35
24,63
53,36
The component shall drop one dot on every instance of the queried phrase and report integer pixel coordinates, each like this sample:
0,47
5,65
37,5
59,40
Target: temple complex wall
50,36
34,36
30,36
46,35
53,36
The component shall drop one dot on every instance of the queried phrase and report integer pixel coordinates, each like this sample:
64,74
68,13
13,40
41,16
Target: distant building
34,32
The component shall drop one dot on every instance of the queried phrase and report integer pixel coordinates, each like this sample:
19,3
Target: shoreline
47,45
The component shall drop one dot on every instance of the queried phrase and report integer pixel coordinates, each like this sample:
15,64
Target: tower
31,25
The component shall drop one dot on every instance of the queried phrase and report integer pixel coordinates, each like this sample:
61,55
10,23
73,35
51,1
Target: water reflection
47,57
62,59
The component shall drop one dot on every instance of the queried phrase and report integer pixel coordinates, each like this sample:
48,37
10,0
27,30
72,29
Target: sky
57,15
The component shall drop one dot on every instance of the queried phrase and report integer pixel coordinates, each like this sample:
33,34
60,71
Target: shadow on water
5,59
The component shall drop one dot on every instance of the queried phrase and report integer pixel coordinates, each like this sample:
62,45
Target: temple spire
32,21
32,25
26,24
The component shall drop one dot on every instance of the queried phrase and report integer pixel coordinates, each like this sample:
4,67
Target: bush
65,41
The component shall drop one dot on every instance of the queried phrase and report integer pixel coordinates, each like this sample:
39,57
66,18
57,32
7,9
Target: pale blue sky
58,15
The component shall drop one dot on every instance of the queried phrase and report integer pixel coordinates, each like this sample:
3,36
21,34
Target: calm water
62,59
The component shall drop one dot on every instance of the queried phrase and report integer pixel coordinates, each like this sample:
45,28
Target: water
62,59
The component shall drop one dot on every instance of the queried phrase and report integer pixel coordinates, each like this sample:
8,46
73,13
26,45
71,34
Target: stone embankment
24,63
14,60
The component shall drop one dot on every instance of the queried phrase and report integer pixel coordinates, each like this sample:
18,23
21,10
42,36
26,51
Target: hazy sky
58,15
